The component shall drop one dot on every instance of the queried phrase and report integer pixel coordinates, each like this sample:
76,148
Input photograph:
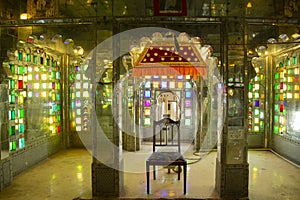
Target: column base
107,181
232,180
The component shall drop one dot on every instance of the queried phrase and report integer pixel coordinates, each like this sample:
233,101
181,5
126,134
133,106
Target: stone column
232,169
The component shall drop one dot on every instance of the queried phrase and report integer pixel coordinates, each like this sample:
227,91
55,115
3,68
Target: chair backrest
166,133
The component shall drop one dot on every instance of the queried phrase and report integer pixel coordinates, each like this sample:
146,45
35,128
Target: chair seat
166,158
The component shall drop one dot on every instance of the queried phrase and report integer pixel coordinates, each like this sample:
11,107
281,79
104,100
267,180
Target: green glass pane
53,63
276,130
289,87
58,75
54,108
261,124
276,108
287,62
12,99
58,118
276,118
11,84
52,75
12,146
280,64
21,143
57,96
25,69
35,59
250,86
20,70
21,128
12,130
290,71
58,107
48,62
277,86
20,55
256,112
276,97
21,113
12,68
294,60
28,57
276,76
12,115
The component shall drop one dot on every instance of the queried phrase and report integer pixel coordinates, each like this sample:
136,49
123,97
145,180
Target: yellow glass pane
51,120
36,86
44,77
261,77
282,119
281,97
180,84
156,84
281,75
20,99
29,77
44,94
147,112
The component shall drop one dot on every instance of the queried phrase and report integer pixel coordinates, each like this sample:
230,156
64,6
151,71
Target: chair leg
148,178
154,176
179,170
184,179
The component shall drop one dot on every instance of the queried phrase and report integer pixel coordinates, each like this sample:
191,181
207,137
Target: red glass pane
20,84
281,108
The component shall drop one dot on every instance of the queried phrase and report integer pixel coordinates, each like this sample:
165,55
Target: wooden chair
166,136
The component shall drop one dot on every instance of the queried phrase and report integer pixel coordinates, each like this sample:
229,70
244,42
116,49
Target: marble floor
67,175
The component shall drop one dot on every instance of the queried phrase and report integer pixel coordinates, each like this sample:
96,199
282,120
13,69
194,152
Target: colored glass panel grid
147,112
147,94
147,121
188,94
147,103
187,122
164,84
187,103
